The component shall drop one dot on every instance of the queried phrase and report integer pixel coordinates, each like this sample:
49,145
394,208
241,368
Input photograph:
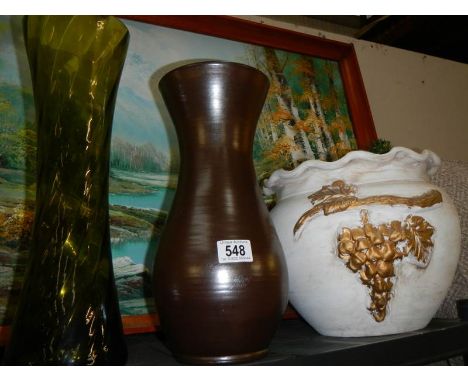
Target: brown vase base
220,360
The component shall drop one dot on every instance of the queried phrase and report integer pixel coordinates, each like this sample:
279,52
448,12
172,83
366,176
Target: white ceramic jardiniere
371,245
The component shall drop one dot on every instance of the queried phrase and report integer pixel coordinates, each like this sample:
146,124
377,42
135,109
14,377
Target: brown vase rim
214,63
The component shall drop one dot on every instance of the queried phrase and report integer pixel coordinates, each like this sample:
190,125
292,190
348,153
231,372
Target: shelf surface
296,343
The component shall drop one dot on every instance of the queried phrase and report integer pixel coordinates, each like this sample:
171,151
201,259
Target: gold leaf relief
419,233
371,251
337,189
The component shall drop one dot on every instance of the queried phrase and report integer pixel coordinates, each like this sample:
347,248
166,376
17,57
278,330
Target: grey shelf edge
296,343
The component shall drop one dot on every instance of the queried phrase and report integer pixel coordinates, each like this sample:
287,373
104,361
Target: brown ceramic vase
218,303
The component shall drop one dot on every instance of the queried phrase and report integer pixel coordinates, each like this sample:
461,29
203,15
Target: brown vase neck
215,106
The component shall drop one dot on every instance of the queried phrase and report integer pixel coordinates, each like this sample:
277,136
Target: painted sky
13,61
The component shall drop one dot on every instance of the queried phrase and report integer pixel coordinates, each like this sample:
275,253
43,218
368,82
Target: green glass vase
68,311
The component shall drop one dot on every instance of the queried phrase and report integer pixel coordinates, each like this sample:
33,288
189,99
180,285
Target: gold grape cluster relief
369,250
372,251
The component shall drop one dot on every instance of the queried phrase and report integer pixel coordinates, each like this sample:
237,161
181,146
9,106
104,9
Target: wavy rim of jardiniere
279,177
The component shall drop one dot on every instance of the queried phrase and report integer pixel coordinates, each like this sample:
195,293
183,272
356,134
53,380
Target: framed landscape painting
316,109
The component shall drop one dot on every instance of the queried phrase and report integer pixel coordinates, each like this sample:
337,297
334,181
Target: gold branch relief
340,196
371,251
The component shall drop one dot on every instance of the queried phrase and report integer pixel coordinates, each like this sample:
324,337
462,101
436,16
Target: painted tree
287,112
268,131
303,116
132,157
341,123
322,136
17,142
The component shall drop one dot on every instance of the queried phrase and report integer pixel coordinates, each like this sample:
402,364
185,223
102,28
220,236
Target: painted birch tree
303,117
341,124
